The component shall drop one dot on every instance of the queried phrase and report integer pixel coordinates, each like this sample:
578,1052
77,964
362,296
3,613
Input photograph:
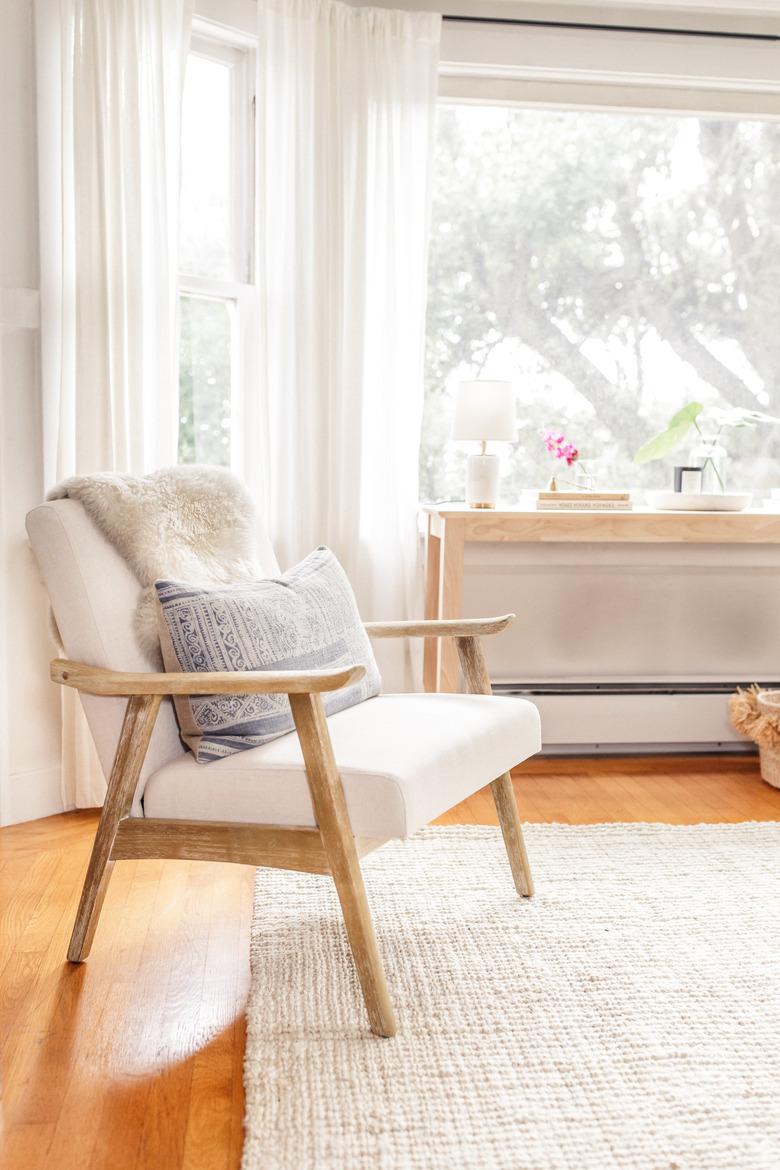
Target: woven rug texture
626,1018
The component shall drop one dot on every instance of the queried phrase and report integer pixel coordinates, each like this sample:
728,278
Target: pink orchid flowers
559,446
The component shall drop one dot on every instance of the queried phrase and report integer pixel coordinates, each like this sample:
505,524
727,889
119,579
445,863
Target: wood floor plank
208,1138
166,1119
246,894
23,885
34,945
134,1060
108,984
26,1147
602,765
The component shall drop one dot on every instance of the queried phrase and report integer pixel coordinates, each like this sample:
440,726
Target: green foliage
667,441
737,417
204,381
680,424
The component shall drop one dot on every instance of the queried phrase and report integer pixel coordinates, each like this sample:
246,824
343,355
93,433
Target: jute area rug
626,1018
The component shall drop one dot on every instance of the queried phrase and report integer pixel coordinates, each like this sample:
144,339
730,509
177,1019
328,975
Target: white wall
29,703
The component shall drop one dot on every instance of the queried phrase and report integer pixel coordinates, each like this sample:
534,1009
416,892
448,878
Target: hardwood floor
133,1060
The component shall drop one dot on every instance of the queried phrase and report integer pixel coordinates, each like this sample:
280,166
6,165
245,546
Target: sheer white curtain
346,103
109,81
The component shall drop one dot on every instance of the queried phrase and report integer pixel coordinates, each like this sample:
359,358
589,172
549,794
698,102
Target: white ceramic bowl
698,502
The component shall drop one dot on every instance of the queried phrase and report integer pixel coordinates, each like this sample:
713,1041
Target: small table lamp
484,411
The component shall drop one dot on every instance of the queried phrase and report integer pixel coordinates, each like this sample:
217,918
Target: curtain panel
109,83
346,102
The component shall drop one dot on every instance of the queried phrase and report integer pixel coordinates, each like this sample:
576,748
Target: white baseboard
31,795
618,723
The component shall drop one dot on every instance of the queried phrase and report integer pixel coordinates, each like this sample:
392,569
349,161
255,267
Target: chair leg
330,810
90,905
365,951
134,739
477,679
509,819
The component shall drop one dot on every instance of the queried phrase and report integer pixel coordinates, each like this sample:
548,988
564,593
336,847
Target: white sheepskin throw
189,523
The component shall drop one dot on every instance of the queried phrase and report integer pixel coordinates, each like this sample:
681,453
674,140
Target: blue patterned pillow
305,620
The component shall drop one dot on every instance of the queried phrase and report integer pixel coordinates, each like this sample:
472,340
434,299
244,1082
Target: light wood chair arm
440,628
96,680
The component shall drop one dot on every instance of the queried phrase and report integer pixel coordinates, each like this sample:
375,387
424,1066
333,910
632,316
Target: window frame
632,71
239,290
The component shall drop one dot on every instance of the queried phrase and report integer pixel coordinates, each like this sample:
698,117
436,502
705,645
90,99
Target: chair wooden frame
330,848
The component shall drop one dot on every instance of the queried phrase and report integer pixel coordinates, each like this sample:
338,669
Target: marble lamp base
482,481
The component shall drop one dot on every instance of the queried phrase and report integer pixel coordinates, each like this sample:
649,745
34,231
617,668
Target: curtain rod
584,26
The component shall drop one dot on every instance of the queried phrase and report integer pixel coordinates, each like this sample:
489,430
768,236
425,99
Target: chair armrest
95,680
440,628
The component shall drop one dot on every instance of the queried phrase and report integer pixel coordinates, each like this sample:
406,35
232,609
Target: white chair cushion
403,759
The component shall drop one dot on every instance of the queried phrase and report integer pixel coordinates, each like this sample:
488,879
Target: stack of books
584,501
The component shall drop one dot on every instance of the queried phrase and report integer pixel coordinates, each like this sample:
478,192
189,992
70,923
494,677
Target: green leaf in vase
678,427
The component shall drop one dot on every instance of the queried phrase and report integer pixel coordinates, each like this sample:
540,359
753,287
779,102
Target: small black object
680,476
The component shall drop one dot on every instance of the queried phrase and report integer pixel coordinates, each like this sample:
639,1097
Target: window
215,245
613,266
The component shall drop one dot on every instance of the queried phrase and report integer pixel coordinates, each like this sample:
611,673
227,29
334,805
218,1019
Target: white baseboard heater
634,718
630,647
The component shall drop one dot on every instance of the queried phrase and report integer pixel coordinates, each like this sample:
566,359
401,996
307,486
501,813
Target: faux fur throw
190,523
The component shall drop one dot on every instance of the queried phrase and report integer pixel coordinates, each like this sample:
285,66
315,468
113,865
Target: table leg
450,597
431,645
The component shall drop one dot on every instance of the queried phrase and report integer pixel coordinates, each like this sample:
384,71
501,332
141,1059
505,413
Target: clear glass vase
712,457
584,477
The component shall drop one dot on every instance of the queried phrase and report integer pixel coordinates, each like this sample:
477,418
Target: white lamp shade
485,410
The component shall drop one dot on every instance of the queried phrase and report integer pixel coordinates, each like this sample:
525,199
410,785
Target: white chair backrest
94,596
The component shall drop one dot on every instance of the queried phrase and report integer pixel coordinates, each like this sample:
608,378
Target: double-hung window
215,245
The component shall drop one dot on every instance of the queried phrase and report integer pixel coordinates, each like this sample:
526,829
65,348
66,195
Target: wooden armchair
315,803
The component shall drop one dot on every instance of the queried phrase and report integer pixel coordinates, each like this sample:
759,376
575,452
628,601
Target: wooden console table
449,526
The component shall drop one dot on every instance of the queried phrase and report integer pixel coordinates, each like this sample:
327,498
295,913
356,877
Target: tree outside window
612,266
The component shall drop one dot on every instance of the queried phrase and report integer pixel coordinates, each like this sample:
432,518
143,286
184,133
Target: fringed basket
768,703
756,715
